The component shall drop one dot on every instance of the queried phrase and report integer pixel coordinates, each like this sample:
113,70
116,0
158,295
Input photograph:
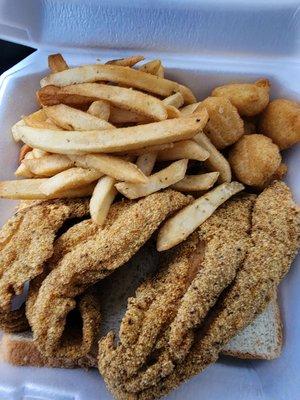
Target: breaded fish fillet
275,241
26,242
14,321
87,305
80,268
179,299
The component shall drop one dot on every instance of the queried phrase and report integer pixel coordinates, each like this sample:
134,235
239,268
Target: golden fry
122,75
48,165
113,140
100,109
216,161
175,100
151,67
196,183
184,149
146,162
29,189
129,99
113,166
57,63
70,118
71,178
102,198
187,220
126,62
161,180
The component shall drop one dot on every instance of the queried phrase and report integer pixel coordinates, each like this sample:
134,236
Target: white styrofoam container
202,44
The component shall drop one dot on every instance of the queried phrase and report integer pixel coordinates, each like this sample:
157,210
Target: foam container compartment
202,46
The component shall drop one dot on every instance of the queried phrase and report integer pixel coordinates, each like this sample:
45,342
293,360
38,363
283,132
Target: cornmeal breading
107,250
275,241
26,242
178,299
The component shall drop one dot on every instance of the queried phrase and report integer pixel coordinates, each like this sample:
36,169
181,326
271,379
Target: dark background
11,54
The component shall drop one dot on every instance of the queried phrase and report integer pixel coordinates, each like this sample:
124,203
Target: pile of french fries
103,129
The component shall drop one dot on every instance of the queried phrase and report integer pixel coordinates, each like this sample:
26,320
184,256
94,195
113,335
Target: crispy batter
275,241
26,242
88,304
14,321
84,265
180,296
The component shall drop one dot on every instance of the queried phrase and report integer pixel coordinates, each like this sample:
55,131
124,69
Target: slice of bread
260,340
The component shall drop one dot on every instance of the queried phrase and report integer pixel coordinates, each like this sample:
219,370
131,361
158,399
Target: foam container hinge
44,24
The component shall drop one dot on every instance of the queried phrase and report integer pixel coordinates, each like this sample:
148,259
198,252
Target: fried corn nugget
249,98
281,122
105,251
254,159
225,126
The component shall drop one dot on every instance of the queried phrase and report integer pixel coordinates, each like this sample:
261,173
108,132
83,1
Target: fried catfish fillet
14,321
275,240
26,242
161,319
87,305
83,266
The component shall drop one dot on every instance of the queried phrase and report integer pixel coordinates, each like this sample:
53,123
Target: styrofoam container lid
264,28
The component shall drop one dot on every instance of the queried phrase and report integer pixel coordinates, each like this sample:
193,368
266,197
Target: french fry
216,161
187,220
39,119
151,67
49,165
146,162
51,96
175,100
129,99
122,75
100,109
161,180
190,109
112,166
69,179
57,63
119,116
149,149
23,151
184,149
37,153
102,198
113,140
173,112
127,61
70,118
29,189
196,183
161,72
29,155
23,171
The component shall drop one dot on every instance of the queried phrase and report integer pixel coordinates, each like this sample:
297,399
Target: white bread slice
260,340
19,349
